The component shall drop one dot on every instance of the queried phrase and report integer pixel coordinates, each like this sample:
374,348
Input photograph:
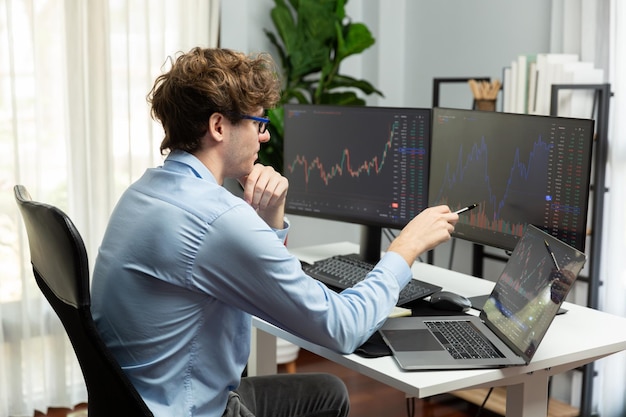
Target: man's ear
216,127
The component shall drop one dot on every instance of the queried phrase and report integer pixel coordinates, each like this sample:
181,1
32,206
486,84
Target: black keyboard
344,271
463,340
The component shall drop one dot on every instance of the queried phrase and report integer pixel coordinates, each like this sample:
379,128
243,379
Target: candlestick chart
472,177
519,169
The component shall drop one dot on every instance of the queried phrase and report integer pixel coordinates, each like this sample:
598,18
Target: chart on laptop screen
534,283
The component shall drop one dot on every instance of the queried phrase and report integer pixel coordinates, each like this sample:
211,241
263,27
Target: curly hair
205,81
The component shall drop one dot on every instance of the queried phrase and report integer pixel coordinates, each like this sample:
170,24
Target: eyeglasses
263,122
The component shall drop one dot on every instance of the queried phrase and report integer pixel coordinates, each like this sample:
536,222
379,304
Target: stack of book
527,84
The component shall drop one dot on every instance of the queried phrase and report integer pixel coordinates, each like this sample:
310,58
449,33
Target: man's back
164,327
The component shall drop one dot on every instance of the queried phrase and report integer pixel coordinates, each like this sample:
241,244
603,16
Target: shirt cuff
397,265
284,232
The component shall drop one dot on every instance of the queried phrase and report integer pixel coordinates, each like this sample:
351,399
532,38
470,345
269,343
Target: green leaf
284,23
340,9
357,39
344,81
277,117
316,19
312,42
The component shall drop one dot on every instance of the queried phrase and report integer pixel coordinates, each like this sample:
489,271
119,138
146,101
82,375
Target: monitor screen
363,165
518,168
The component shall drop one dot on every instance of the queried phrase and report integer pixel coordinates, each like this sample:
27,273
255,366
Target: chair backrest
61,269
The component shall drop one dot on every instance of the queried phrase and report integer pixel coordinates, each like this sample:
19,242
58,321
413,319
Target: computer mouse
449,301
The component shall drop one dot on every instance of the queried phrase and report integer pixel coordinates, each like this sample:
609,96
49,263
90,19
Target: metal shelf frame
600,112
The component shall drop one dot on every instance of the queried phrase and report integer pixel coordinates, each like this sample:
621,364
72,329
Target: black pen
468,208
552,255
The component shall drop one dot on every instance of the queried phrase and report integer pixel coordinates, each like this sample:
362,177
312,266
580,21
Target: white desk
574,339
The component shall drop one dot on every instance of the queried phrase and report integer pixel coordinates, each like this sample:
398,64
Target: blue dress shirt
182,267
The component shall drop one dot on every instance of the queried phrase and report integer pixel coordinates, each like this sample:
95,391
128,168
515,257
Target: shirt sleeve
247,265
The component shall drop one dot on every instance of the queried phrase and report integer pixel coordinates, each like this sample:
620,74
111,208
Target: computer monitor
519,168
357,164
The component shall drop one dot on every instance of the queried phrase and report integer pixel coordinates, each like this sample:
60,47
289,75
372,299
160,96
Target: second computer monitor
518,168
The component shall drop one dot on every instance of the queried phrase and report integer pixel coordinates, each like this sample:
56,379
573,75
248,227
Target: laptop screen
528,294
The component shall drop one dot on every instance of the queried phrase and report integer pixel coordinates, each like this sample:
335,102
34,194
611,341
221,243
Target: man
184,263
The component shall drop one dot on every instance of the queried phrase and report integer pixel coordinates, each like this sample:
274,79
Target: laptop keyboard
462,340
344,271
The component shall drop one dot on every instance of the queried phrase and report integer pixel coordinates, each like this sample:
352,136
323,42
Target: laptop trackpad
412,340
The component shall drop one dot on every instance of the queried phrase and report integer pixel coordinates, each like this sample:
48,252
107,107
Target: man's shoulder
200,198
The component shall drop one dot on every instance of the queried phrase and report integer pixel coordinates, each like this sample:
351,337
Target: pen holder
485,104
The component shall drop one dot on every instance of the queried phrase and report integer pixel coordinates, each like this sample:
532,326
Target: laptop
512,322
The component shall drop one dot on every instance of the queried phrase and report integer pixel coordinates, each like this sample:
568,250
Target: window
75,129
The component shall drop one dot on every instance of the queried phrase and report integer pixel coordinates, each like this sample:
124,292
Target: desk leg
528,399
262,359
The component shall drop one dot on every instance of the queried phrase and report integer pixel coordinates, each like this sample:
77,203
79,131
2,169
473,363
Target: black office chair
61,270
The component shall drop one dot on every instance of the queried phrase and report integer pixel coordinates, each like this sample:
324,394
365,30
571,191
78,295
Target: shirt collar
181,161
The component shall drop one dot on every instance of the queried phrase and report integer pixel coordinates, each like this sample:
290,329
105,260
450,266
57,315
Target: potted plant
312,38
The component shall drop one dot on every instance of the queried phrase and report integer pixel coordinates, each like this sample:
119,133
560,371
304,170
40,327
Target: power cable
482,407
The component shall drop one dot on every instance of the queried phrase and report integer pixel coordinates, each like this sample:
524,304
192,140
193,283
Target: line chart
344,166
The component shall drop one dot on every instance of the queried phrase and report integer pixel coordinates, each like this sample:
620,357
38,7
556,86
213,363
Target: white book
581,102
520,86
506,90
532,88
549,72
513,91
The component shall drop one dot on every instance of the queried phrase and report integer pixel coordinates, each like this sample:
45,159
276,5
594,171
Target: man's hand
425,231
266,191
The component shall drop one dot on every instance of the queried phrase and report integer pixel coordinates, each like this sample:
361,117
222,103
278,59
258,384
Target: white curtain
75,129
611,389
596,29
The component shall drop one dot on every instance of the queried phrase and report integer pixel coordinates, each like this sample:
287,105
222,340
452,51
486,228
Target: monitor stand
370,243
